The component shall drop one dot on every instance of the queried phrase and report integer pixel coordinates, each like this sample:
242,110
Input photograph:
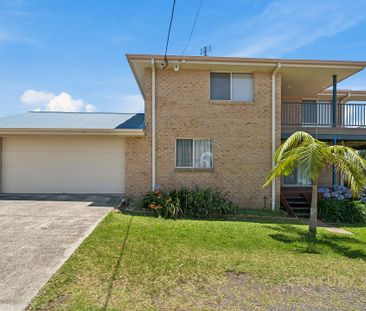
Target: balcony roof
300,78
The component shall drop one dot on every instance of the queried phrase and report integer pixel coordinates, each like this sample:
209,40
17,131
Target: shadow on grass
339,244
242,217
116,267
287,233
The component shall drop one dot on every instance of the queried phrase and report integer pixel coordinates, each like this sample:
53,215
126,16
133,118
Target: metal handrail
312,114
352,115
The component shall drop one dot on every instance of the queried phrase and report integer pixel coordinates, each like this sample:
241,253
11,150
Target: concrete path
37,235
337,230
332,228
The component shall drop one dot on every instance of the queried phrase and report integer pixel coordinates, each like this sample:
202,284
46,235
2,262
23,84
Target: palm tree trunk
314,208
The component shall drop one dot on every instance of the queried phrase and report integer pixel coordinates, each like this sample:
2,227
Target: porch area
342,123
296,201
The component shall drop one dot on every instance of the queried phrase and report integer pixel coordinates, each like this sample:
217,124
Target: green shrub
342,211
203,202
196,202
171,208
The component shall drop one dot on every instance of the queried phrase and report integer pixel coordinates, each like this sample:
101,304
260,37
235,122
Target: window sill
194,169
231,102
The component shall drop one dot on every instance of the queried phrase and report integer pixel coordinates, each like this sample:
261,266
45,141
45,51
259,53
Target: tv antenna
205,50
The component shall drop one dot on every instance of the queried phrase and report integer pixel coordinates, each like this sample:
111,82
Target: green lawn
144,263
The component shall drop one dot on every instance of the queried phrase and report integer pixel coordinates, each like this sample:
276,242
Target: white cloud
45,101
32,97
64,102
287,25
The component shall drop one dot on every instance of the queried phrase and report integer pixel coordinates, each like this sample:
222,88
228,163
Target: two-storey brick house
208,121
216,121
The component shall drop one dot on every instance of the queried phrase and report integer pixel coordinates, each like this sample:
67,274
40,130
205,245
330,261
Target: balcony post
334,100
334,173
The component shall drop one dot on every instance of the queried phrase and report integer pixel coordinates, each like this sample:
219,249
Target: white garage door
63,164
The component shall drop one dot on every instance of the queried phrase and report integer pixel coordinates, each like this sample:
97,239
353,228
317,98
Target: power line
169,30
193,26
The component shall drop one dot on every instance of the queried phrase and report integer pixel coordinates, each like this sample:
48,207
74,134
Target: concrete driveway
37,235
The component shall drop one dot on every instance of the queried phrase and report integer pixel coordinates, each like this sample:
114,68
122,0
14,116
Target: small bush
342,211
197,202
154,201
171,208
203,202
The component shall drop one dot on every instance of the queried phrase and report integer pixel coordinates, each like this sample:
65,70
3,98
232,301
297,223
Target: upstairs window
231,86
194,153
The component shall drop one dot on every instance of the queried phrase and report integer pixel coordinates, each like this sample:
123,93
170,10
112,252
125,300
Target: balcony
317,119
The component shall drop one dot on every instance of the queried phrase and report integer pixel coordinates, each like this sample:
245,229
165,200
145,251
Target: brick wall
326,178
138,153
241,134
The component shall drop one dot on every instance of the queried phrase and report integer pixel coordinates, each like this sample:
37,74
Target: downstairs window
194,153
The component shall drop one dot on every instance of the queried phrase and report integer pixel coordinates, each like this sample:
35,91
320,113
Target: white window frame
193,153
231,86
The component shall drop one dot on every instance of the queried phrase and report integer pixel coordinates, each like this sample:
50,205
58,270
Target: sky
69,55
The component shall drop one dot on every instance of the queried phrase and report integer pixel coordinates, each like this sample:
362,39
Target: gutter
278,67
136,77
153,162
238,60
344,99
259,63
35,131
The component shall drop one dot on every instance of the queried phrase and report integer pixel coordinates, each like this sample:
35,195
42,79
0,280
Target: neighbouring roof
300,78
343,95
36,120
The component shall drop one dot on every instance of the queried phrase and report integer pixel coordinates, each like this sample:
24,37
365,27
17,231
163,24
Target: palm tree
311,155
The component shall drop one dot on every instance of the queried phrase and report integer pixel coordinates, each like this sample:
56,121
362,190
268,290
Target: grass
144,263
262,213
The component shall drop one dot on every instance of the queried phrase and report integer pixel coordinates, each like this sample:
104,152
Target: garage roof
36,122
73,120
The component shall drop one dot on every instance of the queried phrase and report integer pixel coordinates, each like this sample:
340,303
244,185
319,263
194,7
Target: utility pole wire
169,30
193,26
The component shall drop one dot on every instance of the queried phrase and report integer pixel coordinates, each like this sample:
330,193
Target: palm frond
312,159
351,165
295,140
312,156
283,168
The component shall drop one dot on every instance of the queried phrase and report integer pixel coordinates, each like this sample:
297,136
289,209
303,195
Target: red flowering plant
154,201
162,204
